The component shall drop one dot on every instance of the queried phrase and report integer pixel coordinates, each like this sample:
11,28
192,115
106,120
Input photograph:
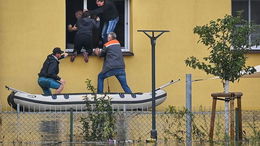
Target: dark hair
86,14
77,11
100,0
57,50
89,14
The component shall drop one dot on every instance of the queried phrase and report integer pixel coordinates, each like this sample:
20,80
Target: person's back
87,25
113,63
46,71
113,56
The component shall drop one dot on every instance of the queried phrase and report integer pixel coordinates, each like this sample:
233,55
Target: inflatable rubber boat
77,101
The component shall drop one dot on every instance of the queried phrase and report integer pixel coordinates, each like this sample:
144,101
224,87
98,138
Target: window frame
126,47
253,49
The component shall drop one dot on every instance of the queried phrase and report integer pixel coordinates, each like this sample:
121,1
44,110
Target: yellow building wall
30,29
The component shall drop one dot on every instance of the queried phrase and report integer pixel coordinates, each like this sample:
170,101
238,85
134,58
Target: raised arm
64,55
97,11
96,23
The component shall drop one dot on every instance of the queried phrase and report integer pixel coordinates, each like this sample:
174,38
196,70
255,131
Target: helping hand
65,54
70,27
97,19
97,51
74,28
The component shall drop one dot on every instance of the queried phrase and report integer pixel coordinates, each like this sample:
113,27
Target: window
251,13
122,28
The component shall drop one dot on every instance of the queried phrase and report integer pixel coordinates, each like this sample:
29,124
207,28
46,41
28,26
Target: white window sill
254,49
126,52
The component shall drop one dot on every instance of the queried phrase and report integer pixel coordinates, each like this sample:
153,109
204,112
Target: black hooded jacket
86,26
50,68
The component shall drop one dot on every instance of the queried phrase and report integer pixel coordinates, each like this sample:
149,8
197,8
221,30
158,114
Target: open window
251,13
122,28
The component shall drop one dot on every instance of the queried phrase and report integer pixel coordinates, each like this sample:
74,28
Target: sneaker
85,54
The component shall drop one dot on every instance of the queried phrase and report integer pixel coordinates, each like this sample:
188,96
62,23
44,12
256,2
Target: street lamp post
153,37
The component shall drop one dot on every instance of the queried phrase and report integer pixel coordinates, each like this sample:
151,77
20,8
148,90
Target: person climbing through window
83,38
110,16
113,63
48,76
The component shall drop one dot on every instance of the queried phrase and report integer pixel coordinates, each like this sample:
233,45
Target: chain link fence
135,126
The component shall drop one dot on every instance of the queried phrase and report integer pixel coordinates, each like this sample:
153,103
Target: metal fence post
125,124
189,110
18,121
18,108
71,125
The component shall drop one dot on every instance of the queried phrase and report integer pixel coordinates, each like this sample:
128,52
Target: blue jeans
120,75
47,83
109,27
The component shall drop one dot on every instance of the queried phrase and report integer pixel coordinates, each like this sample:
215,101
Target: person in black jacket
48,76
114,64
109,14
72,27
83,38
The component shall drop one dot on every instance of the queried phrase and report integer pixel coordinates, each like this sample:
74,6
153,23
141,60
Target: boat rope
168,84
14,90
196,80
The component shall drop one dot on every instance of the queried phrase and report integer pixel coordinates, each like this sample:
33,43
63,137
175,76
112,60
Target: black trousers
83,41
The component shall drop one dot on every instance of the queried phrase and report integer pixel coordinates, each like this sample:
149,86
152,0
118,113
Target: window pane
255,17
242,5
255,11
238,6
255,36
120,28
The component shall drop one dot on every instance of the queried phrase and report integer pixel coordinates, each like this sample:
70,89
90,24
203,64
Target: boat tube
77,101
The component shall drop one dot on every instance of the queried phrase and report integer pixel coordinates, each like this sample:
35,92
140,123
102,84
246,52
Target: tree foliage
227,41
99,124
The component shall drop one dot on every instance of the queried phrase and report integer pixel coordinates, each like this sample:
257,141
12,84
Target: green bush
99,123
